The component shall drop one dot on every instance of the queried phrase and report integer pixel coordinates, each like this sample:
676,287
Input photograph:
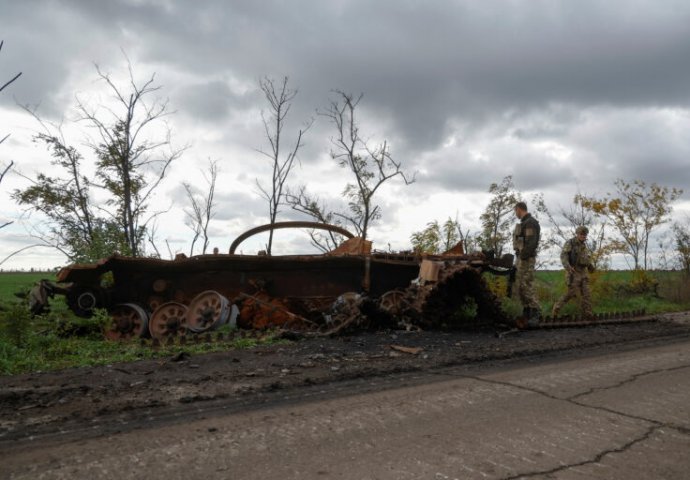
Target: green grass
31,344
615,291
12,282
42,343
48,352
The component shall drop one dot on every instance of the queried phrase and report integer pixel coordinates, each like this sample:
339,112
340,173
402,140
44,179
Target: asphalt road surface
621,415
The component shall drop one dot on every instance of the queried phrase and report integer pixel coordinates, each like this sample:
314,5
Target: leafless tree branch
279,98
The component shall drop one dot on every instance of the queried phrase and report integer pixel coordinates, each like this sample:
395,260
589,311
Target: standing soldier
525,243
576,261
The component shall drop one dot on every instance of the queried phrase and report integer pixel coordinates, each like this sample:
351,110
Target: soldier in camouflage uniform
525,243
576,260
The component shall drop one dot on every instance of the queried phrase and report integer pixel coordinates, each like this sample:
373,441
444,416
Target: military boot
534,318
555,311
523,318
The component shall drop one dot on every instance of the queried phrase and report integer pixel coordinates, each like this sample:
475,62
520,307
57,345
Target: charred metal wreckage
348,288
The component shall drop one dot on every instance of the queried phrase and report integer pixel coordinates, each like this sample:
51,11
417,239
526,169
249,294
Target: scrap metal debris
410,350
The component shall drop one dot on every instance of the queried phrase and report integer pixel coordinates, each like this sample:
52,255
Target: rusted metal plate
139,279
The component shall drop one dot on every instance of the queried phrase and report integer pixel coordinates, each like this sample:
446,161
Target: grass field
11,282
612,291
47,342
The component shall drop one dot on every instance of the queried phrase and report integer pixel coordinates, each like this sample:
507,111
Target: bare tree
201,206
279,98
7,167
314,207
11,80
371,167
471,242
151,234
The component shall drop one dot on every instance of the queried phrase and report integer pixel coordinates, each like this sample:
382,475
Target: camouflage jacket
526,237
575,254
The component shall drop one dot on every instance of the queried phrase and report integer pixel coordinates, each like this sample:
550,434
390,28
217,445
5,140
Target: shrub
15,324
675,288
643,282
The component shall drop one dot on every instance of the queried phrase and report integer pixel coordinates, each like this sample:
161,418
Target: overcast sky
562,95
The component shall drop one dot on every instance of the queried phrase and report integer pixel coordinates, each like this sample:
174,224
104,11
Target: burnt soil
84,402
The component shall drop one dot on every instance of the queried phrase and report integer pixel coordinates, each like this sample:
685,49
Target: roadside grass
612,291
45,353
37,344
59,339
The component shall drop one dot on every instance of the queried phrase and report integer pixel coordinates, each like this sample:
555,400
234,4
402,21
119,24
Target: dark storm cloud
629,144
418,63
429,70
43,40
211,101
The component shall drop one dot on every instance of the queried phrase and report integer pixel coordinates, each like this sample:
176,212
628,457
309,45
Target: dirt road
467,405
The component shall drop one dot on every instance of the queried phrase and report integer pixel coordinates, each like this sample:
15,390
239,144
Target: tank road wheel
154,302
393,302
169,320
129,320
83,300
207,311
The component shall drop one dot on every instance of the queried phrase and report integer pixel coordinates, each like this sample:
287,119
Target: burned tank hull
257,291
149,282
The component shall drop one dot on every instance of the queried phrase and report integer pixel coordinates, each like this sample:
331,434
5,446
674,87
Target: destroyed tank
329,292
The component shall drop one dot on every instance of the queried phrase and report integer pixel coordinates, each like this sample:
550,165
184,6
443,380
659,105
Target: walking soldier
525,243
577,262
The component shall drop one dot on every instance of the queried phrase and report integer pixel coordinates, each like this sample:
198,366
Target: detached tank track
439,303
547,323
565,321
570,321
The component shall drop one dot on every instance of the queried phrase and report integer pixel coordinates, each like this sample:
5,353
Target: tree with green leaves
132,159
436,238
74,227
634,210
498,216
681,237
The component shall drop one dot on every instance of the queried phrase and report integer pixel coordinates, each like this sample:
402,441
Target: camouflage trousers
578,284
524,280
